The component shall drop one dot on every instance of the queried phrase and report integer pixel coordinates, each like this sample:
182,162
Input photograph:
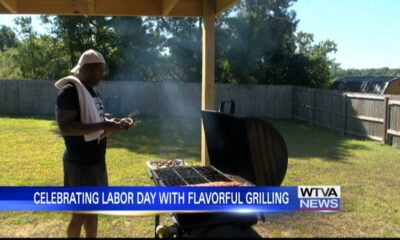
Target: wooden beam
174,8
394,102
183,8
91,8
56,7
10,5
365,96
208,69
101,7
187,8
167,6
393,132
3,10
366,118
222,5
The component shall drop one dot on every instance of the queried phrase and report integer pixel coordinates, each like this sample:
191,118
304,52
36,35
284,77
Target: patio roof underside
173,8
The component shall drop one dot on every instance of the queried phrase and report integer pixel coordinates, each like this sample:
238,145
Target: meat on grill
167,164
218,184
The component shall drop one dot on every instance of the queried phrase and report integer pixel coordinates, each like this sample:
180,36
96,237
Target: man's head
90,68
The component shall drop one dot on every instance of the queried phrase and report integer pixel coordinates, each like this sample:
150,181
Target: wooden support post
386,119
208,69
344,114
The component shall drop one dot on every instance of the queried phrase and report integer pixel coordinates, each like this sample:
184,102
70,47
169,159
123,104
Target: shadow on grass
166,138
305,142
180,138
38,117
175,137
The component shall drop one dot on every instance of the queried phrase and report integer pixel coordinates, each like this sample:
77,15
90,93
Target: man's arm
69,127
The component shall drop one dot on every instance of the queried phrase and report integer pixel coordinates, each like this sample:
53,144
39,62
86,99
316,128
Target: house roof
367,84
173,8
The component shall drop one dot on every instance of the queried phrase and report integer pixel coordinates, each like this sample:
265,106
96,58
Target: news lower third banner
171,199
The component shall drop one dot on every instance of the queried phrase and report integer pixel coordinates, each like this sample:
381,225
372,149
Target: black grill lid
247,147
227,144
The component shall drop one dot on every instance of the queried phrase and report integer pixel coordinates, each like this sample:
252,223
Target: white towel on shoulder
89,112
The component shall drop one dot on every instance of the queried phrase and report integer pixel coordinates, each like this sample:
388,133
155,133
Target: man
80,118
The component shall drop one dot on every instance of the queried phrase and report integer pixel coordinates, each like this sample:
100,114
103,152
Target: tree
255,41
42,58
80,33
36,57
9,69
7,38
127,43
182,41
311,65
8,43
138,45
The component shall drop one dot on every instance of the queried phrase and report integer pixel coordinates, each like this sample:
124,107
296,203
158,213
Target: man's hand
127,123
115,125
69,127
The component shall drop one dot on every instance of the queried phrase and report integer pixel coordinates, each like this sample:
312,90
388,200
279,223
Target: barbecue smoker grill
247,150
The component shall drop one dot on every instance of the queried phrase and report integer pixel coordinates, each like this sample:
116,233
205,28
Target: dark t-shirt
77,150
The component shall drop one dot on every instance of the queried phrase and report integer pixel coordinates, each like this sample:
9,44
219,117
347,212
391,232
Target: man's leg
91,225
75,225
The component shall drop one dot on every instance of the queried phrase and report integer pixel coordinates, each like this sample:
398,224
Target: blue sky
367,31
8,20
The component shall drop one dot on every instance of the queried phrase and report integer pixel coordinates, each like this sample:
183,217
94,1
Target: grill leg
179,233
156,223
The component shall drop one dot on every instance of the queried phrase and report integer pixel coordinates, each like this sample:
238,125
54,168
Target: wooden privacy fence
364,115
371,116
393,123
37,97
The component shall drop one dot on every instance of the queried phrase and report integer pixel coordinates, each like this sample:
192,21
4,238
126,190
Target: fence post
344,114
291,101
386,119
313,96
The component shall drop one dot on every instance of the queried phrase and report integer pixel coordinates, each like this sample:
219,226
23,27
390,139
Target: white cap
89,56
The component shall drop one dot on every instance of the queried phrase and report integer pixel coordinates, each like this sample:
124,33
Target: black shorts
85,175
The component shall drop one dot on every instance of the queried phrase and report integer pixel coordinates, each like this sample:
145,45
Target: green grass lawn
367,171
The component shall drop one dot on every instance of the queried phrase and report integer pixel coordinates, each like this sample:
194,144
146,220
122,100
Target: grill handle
231,104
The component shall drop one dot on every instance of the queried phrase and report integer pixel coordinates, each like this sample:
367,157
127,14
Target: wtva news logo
319,198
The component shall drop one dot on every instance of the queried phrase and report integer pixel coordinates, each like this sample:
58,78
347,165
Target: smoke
153,53
172,63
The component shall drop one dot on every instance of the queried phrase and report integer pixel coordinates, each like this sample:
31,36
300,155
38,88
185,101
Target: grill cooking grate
180,176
